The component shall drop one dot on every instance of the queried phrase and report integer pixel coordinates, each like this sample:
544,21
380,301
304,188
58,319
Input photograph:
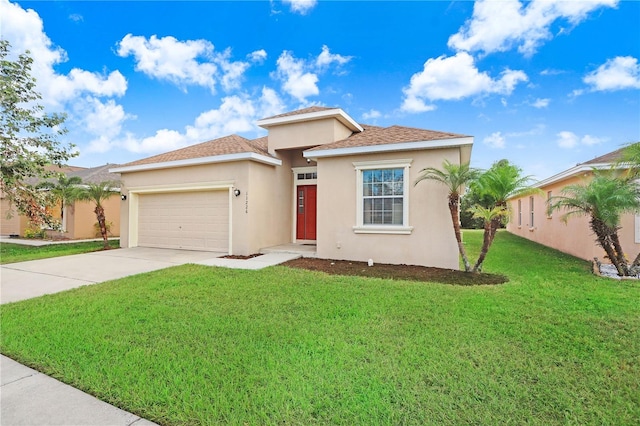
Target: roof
233,144
602,162
363,139
301,112
96,174
228,148
373,135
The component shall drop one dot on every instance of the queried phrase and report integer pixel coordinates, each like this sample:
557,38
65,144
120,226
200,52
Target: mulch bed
398,272
237,256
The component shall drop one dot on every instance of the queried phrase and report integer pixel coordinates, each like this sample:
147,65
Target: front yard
201,345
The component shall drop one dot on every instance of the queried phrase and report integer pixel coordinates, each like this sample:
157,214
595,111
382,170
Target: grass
11,253
198,345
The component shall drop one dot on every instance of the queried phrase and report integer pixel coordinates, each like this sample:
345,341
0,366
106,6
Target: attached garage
197,220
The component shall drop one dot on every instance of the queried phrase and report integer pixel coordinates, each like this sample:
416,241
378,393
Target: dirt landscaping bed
399,272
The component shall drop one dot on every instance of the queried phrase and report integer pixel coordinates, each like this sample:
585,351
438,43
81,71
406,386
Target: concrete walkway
28,397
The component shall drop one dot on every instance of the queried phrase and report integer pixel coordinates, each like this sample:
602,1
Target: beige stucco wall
14,225
306,134
82,218
431,243
573,236
260,215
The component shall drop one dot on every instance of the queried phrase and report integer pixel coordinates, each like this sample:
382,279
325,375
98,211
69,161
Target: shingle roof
308,110
610,157
232,144
96,174
373,135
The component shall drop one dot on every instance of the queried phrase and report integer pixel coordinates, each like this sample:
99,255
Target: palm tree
98,193
501,182
630,159
455,177
488,216
66,191
604,199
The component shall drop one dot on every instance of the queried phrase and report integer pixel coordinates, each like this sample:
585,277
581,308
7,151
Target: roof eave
243,156
336,113
580,168
391,147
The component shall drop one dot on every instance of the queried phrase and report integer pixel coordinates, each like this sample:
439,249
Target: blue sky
544,84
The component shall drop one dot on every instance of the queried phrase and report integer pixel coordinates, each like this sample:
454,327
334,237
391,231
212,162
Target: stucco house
531,219
318,178
79,219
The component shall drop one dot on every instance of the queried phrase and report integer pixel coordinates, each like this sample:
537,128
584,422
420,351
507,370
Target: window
519,212
549,196
382,197
531,206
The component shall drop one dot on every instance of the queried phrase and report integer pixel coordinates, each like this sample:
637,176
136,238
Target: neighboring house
79,219
531,219
317,178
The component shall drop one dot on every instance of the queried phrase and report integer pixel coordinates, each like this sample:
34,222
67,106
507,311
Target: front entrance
306,212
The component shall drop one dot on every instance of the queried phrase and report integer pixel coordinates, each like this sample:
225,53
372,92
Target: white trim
134,193
637,229
372,149
198,161
360,227
336,113
377,229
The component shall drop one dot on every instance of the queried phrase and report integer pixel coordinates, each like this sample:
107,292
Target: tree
455,177
495,186
98,193
603,199
66,191
29,138
630,159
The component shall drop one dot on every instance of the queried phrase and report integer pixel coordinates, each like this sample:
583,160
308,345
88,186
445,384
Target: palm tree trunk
602,237
487,239
619,252
102,222
454,206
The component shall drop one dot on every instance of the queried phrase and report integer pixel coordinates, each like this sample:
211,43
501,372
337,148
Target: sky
544,84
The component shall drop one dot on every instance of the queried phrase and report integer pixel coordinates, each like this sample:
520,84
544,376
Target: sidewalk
39,243
28,397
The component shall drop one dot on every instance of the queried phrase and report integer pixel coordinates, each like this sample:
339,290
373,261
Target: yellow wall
573,236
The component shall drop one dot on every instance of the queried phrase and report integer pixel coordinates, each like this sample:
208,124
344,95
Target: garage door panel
184,220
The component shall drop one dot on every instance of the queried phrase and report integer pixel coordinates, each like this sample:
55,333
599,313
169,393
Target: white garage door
184,220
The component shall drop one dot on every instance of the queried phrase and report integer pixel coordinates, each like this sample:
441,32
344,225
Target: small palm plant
455,177
66,190
98,193
501,182
603,199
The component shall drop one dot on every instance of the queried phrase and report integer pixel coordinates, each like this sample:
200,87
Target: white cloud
567,139
495,140
258,56
619,73
498,26
371,114
592,140
104,120
301,6
236,114
190,62
295,81
76,17
327,58
541,103
24,29
454,78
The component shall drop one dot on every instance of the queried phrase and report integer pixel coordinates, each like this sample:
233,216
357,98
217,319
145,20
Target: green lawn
11,253
200,345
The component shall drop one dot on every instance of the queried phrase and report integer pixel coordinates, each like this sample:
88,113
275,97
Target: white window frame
360,227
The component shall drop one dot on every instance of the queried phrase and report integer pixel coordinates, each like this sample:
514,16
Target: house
532,220
318,178
77,221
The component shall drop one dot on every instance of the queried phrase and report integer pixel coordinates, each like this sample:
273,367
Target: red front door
306,212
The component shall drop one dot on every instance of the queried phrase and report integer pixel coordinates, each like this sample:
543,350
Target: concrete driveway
24,280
